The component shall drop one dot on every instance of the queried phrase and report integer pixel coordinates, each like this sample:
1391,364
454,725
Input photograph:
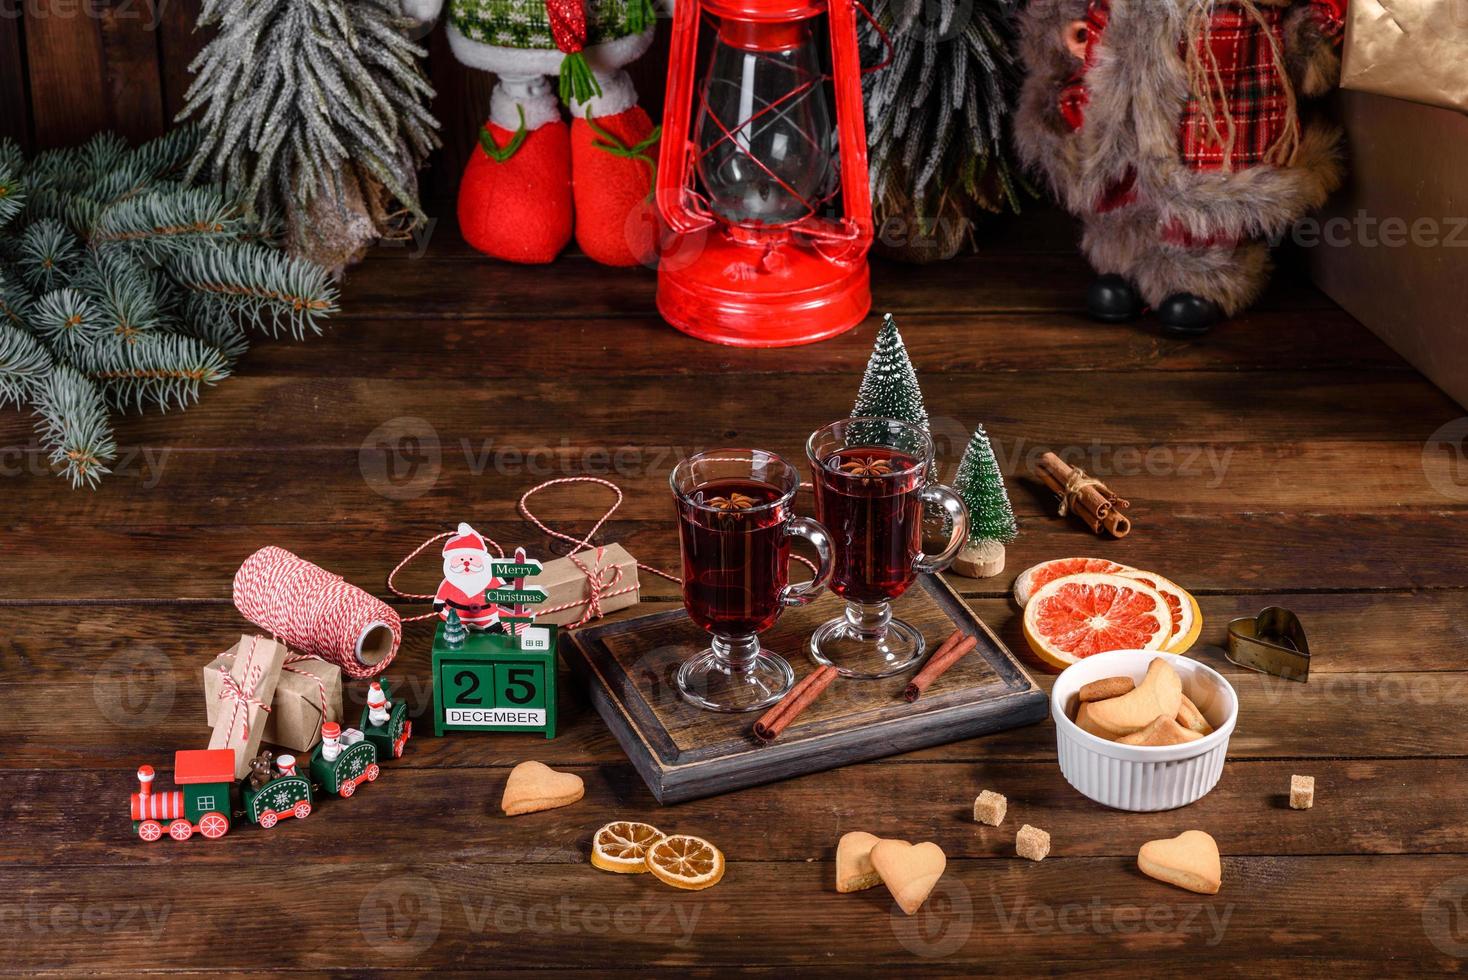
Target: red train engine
202,805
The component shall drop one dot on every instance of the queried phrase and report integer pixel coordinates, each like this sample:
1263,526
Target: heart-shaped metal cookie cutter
1272,642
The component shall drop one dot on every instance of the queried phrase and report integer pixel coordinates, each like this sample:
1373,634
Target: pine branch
159,368
12,191
67,322
48,255
122,291
273,291
160,224
73,425
15,302
24,361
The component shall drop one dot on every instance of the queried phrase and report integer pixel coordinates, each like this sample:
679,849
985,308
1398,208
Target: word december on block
493,682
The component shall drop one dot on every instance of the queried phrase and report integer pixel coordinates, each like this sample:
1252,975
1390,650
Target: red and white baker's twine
313,611
243,698
295,658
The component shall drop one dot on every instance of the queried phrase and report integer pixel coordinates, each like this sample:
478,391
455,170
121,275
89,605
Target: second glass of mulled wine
871,487
736,519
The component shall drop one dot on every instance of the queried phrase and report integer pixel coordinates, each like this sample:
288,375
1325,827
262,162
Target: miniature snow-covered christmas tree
991,523
316,111
454,630
889,389
122,285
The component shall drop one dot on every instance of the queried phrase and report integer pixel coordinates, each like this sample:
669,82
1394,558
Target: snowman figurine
532,181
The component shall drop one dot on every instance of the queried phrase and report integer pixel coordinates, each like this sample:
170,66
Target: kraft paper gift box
1408,49
245,692
295,717
1392,246
568,591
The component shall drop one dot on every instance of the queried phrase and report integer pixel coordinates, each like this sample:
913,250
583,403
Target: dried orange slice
1033,579
622,845
1187,618
686,862
1079,615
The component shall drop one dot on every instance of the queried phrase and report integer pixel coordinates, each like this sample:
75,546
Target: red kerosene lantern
754,258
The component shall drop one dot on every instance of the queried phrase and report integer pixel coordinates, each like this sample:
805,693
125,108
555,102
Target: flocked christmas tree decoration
937,119
889,389
316,111
991,523
123,286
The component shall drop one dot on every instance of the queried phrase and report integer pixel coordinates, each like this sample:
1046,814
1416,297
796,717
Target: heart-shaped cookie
536,786
909,870
1160,693
1162,731
1189,860
854,871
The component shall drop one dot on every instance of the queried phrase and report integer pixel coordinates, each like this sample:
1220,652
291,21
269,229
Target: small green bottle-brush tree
124,286
991,523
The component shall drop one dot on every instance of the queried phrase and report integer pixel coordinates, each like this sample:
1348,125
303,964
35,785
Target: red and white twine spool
317,613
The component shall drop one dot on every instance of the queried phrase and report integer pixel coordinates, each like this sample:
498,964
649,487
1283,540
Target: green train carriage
355,763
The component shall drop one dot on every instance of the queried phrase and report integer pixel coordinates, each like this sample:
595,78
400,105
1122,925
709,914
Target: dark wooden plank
66,61
130,51
78,817
730,407
15,100
471,285
1261,340
158,486
421,912
1258,553
127,688
461,106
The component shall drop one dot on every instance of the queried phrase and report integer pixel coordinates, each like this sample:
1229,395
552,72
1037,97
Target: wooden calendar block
493,682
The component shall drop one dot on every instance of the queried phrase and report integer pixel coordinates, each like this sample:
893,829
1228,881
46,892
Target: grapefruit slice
1033,579
1076,616
1187,618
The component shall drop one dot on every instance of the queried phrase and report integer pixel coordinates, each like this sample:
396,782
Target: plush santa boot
614,149
515,198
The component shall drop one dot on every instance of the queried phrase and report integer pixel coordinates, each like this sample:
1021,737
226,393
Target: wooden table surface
1288,459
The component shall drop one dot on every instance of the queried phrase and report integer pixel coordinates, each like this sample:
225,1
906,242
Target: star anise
871,466
735,501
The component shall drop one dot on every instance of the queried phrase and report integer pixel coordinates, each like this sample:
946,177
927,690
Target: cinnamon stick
779,717
1096,504
938,664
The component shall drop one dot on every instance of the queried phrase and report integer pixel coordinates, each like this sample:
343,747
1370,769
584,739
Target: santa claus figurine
467,573
1175,129
532,179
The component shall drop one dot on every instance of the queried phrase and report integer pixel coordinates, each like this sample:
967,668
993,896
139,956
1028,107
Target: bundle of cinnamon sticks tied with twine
1081,494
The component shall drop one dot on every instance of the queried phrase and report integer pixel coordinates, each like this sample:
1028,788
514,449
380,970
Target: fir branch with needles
125,287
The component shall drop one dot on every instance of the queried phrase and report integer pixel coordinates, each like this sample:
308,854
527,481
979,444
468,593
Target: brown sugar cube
989,808
1032,843
1302,792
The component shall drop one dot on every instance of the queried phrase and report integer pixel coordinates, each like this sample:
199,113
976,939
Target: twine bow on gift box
243,697
294,658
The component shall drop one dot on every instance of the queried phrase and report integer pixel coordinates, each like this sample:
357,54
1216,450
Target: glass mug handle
802,593
957,514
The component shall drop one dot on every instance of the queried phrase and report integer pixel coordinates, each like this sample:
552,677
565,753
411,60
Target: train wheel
373,771
180,830
268,819
150,830
303,810
213,825
348,788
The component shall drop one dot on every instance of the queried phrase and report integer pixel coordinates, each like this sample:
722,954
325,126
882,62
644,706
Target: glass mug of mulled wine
872,490
736,520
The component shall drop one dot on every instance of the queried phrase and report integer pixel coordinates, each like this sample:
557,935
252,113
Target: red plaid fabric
1252,91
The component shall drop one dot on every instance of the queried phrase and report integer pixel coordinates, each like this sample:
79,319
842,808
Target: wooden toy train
274,790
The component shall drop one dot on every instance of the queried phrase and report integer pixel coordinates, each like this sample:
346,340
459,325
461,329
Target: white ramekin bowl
1143,777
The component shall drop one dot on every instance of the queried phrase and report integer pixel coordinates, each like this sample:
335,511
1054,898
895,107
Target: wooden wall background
69,68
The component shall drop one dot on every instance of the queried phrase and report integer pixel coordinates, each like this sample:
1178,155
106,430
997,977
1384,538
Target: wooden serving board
684,752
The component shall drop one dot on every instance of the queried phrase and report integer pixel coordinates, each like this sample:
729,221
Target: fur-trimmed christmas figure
533,180
1174,129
